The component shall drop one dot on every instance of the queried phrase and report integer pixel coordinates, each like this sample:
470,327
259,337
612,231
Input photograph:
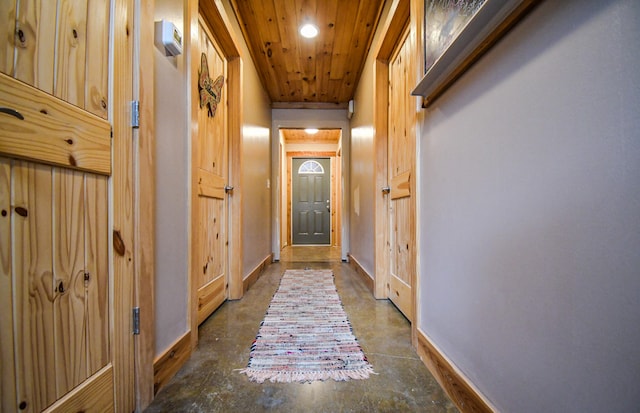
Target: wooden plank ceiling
331,136
318,72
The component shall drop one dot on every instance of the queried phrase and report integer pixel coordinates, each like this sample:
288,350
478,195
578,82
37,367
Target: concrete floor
210,382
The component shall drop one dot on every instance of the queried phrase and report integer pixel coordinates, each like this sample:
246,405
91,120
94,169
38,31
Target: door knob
386,189
228,188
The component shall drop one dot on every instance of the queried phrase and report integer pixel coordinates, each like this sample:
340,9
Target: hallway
209,382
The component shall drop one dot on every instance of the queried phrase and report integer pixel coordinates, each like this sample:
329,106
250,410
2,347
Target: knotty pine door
210,172
63,309
401,172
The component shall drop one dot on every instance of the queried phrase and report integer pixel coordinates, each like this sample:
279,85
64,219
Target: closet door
210,213
401,178
60,330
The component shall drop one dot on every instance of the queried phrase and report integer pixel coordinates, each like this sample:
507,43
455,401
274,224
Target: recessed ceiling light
311,131
309,30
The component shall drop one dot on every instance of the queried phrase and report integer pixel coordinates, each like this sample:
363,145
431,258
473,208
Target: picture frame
456,33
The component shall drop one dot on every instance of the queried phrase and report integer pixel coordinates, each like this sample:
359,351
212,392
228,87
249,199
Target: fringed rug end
260,376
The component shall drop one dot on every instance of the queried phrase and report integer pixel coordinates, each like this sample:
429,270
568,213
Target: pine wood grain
401,166
192,42
71,51
123,218
210,297
97,56
34,295
214,24
145,201
400,185
213,236
93,395
400,292
393,33
168,363
7,363
68,280
256,273
330,136
62,320
52,131
364,275
294,69
210,171
461,392
96,282
381,223
236,271
35,43
8,31
210,185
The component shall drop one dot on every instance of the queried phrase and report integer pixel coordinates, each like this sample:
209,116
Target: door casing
336,206
400,14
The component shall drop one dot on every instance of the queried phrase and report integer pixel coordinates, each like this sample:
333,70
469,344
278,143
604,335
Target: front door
401,179
311,201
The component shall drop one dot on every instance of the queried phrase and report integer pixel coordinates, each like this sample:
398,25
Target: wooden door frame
144,137
403,14
123,206
391,35
218,23
333,194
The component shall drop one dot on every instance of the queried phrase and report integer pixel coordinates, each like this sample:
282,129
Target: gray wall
172,178
530,214
363,174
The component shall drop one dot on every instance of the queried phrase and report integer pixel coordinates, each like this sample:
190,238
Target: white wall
300,118
530,214
172,183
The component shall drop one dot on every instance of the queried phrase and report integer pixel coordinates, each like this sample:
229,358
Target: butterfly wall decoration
210,90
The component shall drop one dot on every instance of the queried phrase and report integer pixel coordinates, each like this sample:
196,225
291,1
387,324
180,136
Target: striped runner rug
305,335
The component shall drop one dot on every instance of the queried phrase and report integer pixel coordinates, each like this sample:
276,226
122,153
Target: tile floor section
210,382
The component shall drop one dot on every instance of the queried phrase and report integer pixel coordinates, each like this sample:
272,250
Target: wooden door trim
122,181
333,177
392,34
145,209
404,15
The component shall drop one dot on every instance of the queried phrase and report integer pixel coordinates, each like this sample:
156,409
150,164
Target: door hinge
135,113
136,321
